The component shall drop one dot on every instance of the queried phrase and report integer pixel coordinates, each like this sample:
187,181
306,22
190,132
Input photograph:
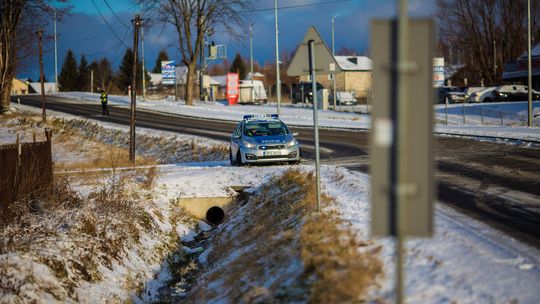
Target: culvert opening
215,215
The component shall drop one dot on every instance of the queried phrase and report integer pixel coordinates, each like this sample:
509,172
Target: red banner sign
232,88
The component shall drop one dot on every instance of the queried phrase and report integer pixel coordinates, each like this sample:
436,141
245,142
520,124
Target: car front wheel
239,159
233,162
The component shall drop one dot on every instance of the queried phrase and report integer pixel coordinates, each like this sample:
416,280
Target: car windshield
265,128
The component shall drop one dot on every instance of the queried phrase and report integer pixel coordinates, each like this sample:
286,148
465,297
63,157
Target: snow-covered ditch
271,248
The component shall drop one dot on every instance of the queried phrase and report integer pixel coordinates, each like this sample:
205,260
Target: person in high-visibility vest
104,99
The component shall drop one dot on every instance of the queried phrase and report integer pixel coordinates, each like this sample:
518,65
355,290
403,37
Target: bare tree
483,35
19,20
192,20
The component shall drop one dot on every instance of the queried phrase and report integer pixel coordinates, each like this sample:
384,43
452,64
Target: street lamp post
529,65
251,61
334,54
278,81
55,55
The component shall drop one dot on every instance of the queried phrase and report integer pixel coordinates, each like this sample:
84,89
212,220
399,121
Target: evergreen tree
83,82
123,79
68,78
239,66
162,56
103,75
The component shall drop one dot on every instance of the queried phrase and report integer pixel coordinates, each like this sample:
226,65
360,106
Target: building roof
256,74
218,80
354,63
535,52
50,87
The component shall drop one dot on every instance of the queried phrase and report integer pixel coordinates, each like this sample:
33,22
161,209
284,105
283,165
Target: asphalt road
495,183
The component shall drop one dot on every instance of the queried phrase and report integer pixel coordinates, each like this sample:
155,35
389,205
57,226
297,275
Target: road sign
325,63
404,203
168,72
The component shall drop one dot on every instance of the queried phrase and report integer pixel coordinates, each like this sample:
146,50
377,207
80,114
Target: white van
255,87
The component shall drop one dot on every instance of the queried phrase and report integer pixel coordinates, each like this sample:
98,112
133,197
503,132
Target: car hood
269,140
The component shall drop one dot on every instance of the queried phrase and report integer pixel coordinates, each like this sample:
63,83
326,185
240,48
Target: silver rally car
263,139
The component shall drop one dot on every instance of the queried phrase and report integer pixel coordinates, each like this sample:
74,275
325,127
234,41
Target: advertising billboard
232,88
438,72
168,72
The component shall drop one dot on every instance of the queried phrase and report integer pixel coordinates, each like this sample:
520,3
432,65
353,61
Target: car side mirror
295,134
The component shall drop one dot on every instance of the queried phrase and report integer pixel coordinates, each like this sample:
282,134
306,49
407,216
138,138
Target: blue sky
85,32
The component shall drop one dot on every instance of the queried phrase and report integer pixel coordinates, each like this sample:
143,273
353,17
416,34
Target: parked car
452,94
343,99
480,96
263,139
303,92
470,90
512,93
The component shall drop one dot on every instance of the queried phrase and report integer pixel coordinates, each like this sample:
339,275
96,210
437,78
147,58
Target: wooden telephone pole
40,43
137,22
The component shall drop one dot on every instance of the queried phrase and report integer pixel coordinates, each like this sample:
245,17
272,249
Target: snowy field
295,116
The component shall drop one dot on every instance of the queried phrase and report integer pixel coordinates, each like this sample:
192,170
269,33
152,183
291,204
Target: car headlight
247,144
292,143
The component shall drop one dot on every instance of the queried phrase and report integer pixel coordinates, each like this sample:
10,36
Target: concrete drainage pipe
215,215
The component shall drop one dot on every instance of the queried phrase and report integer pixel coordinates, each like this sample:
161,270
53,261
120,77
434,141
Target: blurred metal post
136,25
41,80
529,65
333,54
278,81
92,81
315,120
403,115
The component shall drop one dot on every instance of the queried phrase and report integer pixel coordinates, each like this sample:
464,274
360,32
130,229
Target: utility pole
334,54
92,81
529,65
43,111
55,54
251,61
278,81
136,25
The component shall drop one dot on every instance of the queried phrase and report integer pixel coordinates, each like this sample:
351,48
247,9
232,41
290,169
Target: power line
112,11
108,25
294,6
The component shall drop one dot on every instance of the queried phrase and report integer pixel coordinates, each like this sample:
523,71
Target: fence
480,115
26,172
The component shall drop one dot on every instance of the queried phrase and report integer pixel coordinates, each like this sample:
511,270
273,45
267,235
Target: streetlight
55,55
251,59
529,65
334,54
278,82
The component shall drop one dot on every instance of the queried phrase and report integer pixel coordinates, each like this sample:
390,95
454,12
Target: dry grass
74,236
279,227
